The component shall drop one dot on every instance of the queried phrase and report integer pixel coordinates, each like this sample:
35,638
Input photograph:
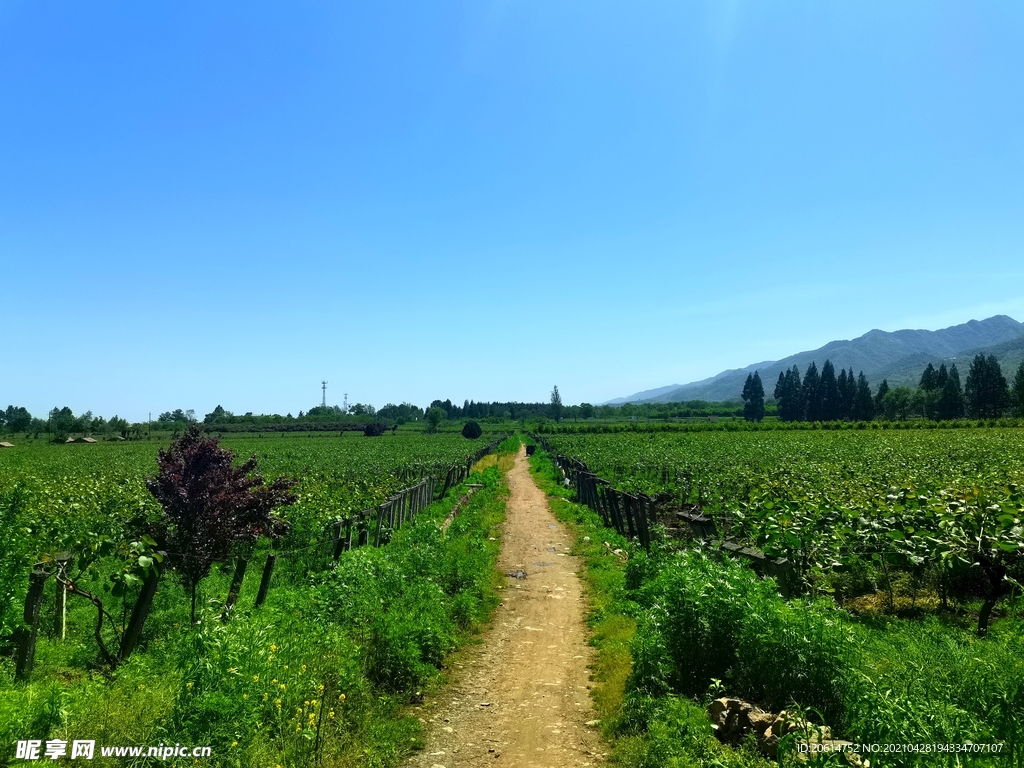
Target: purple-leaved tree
212,506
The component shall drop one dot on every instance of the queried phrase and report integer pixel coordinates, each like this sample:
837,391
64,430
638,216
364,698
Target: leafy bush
708,619
471,430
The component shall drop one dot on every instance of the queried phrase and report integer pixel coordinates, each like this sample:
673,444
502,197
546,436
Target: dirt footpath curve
521,698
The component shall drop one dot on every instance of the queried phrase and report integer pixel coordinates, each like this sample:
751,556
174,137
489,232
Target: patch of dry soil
521,698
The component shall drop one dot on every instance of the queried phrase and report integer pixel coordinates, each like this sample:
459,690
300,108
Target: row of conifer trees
824,396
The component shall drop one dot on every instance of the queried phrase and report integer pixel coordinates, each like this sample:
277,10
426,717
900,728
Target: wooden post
27,635
140,611
339,543
268,570
241,564
381,510
627,505
641,522
61,612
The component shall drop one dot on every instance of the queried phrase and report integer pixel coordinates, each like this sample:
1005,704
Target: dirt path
521,698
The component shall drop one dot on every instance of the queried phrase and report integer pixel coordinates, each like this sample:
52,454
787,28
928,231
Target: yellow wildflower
273,649
331,714
255,678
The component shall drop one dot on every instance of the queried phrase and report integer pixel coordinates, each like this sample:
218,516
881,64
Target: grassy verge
322,674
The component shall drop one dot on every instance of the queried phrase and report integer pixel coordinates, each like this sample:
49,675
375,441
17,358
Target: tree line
939,395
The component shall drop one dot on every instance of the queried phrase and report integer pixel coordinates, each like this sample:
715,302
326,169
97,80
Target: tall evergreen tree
753,398
951,400
844,403
828,389
787,395
986,390
941,377
556,404
779,394
847,385
1017,390
863,403
811,394
883,389
927,382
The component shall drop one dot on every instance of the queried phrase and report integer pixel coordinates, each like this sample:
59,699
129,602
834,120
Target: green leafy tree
753,398
586,411
435,415
898,403
471,430
16,419
986,390
62,423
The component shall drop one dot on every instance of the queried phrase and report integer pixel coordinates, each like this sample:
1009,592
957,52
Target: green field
901,541
321,669
890,533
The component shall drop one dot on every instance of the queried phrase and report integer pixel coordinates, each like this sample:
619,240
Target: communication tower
324,401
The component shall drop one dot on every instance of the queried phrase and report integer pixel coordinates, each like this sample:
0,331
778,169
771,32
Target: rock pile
733,719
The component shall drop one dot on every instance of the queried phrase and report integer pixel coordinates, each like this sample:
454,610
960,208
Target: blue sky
206,203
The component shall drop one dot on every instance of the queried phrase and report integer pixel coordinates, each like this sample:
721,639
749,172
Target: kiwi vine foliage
62,497
831,499
321,673
680,625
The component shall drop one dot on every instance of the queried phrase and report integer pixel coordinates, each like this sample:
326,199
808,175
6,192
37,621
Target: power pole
324,401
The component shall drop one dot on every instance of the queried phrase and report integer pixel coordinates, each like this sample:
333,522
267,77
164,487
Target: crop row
948,503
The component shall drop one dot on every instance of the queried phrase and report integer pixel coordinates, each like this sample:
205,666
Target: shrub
710,620
472,430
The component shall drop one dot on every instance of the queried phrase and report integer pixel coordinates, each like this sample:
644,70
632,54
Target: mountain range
897,356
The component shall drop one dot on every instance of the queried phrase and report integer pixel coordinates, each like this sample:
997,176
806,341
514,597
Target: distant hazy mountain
898,356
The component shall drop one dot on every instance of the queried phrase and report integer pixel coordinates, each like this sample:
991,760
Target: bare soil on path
521,697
